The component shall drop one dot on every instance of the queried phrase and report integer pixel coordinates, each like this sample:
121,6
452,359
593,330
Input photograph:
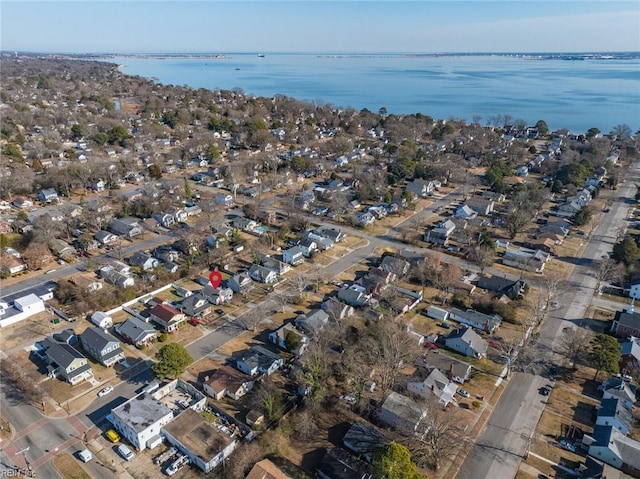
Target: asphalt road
501,446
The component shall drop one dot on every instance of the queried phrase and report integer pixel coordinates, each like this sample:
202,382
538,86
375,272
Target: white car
125,452
105,391
464,393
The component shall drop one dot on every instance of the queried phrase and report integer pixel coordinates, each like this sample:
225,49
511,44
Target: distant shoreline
577,56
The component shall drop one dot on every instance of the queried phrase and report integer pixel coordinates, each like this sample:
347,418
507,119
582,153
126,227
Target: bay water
566,93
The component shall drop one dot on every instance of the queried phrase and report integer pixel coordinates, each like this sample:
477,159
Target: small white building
140,419
102,320
29,304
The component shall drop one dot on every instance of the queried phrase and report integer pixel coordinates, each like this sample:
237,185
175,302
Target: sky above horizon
355,26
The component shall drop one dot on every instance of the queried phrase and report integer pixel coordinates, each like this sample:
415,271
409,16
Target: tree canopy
583,216
172,361
605,354
626,251
394,462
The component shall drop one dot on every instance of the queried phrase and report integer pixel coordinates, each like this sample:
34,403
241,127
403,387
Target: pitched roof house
240,283
101,346
336,309
617,387
259,360
136,332
512,289
475,319
167,317
626,324
466,341
312,322
401,412
613,412
615,449
262,274
266,469
289,338
364,440
436,385
227,381
67,362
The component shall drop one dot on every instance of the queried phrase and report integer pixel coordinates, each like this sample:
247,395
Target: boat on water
260,55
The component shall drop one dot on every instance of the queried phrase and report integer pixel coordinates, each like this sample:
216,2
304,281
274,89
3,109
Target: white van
125,452
85,455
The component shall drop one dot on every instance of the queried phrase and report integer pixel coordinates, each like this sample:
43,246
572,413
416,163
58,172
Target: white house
614,448
102,320
227,381
421,188
435,385
140,419
466,341
613,412
259,360
293,256
401,412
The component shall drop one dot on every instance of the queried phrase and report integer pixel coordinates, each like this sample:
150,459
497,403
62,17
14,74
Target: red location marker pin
215,278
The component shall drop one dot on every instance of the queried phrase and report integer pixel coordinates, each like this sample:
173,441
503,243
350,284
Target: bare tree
251,319
573,344
440,435
608,270
243,460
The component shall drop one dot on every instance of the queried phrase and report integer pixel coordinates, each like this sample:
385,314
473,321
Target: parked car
85,455
112,435
105,391
219,311
194,321
464,393
544,391
567,446
125,452
444,325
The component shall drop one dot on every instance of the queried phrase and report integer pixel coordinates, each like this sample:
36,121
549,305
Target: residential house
629,355
293,256
465,212
561,228
436,385
475,319
204,442
289,338
22,203
196,305
167,317
98,186
66,362
336,309
526,259
503,286
244,224
110,275
421,188
102,320
240,283
262,275
136,332
166,254
397,266
227,381
365,218
613,412
339,464
259,360
67,336
401,412
11,264
219,295
569,209
48,195
179,215
141,419
483,206
634,289
454,369
266,469
334,234
465,341
105,237
278,266
143,261
556,238
165,219
546,245
365,441
441,233
308,247
626,324
323,243
614,448
312,322
127,227
101,346
617,387
61,248
354,295
88,282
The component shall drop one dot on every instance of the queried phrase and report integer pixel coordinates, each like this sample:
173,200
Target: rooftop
203,438
141,411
